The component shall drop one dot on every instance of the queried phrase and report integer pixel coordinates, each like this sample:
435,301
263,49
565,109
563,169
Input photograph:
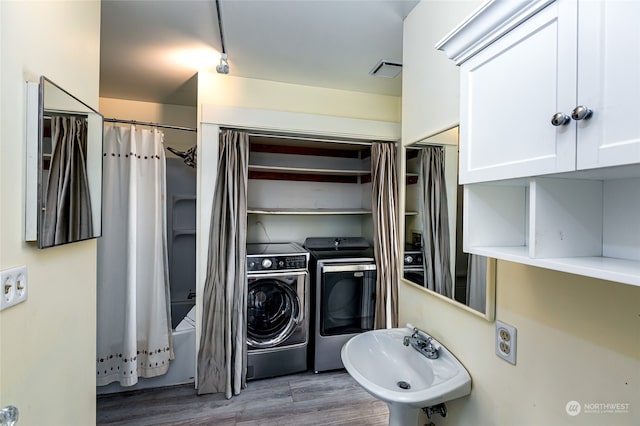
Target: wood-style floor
331,398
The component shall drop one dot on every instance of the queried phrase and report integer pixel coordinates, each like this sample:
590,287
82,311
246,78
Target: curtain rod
308,138
418,145
147,123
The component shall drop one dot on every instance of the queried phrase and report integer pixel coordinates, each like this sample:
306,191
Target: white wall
430,81
47,352
578,338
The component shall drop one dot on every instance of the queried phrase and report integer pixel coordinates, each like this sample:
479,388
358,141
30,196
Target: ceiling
152,50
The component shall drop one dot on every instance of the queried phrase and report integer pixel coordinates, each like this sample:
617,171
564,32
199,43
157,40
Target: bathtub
181,370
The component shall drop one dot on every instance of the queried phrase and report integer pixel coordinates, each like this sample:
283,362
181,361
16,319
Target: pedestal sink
401,376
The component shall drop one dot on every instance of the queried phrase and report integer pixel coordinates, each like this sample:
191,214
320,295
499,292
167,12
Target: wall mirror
433,255
64,167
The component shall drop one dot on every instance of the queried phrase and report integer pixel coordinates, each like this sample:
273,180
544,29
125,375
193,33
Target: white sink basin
383,366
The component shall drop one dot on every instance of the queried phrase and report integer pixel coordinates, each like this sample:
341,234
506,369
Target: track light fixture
223,66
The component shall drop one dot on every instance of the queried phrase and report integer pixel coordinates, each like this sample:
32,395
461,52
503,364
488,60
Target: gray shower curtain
435,220
67,215
477,282
222,356
385,233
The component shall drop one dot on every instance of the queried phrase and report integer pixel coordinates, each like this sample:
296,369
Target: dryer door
274,309
347,294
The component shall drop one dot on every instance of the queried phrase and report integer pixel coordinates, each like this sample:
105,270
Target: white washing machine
277,309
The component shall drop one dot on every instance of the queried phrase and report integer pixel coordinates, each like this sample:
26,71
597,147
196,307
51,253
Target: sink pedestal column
402,415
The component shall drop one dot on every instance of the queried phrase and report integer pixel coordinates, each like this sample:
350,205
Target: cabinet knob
560,119
581,113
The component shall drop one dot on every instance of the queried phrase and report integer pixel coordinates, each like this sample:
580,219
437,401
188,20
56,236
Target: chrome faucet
420,344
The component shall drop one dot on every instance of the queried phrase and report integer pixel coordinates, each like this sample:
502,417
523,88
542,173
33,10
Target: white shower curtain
134,335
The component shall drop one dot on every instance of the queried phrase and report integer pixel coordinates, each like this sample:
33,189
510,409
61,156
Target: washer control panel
276,263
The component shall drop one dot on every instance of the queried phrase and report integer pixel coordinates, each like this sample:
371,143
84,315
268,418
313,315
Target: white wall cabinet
581,226
566,55
609,83
509,92
561,195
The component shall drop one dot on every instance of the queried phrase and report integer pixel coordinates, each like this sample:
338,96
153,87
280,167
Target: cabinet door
609,83
510,91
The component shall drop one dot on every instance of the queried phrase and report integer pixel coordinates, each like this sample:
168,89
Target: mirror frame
35,186
490,293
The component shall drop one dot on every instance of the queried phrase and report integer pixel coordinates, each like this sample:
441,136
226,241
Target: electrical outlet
506,342
14,286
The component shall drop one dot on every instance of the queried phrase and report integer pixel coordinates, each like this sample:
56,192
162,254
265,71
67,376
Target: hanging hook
189,156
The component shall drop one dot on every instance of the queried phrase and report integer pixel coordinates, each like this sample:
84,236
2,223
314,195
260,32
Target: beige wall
231,91
227,90
430,81
175,115
577,339
47,352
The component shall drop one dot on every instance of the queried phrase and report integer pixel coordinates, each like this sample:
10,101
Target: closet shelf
308,171
305,211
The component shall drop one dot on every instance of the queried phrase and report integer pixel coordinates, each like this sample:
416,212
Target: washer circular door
273,311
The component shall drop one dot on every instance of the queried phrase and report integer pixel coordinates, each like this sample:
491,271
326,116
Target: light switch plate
506,342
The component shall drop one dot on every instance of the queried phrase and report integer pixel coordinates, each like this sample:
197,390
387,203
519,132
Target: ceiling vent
386,69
